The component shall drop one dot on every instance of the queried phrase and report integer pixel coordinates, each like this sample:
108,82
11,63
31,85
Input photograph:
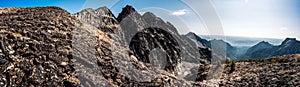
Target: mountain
265,49
47,46
238,41
254,52
262,49
288,46
198,40
223,48
219,46
131,43
134,23
95,32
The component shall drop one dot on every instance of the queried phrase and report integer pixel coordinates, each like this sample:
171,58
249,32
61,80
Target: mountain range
262,49
100,48
48,46
239,41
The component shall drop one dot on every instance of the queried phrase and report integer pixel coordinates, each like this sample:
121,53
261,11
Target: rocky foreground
279,71
35,47
47,46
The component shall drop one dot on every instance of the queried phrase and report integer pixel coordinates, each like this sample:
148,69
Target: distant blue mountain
243,41
264,49
239,48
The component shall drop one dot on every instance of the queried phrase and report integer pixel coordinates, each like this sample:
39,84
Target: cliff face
35,47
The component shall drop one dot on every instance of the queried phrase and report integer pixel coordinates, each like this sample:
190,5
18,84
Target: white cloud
180,12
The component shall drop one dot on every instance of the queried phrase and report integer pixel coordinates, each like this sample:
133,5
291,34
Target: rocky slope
276,71
35,47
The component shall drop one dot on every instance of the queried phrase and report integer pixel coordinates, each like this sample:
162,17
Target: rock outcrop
146,40
36,48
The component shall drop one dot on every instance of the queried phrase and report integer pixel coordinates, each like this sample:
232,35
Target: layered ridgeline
265,49
47,46
219,45
260,50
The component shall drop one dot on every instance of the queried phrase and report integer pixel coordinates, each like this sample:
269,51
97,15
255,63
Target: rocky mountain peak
288,40
86,10
191,34
149,14
264,43
218,40
152,16
101,18
261,45
101,8
127,10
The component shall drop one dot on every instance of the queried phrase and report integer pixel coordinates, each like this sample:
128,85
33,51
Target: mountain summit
289,41
127,10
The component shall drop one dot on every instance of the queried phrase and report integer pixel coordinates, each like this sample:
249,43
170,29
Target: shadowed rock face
146,40
35,47
132,22
127,10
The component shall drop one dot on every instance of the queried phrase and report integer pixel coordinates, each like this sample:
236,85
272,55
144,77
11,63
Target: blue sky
248,18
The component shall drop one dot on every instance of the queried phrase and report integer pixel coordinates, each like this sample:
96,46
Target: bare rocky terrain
279,71
35,47
47,46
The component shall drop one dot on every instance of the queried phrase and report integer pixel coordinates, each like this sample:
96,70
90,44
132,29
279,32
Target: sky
246,18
